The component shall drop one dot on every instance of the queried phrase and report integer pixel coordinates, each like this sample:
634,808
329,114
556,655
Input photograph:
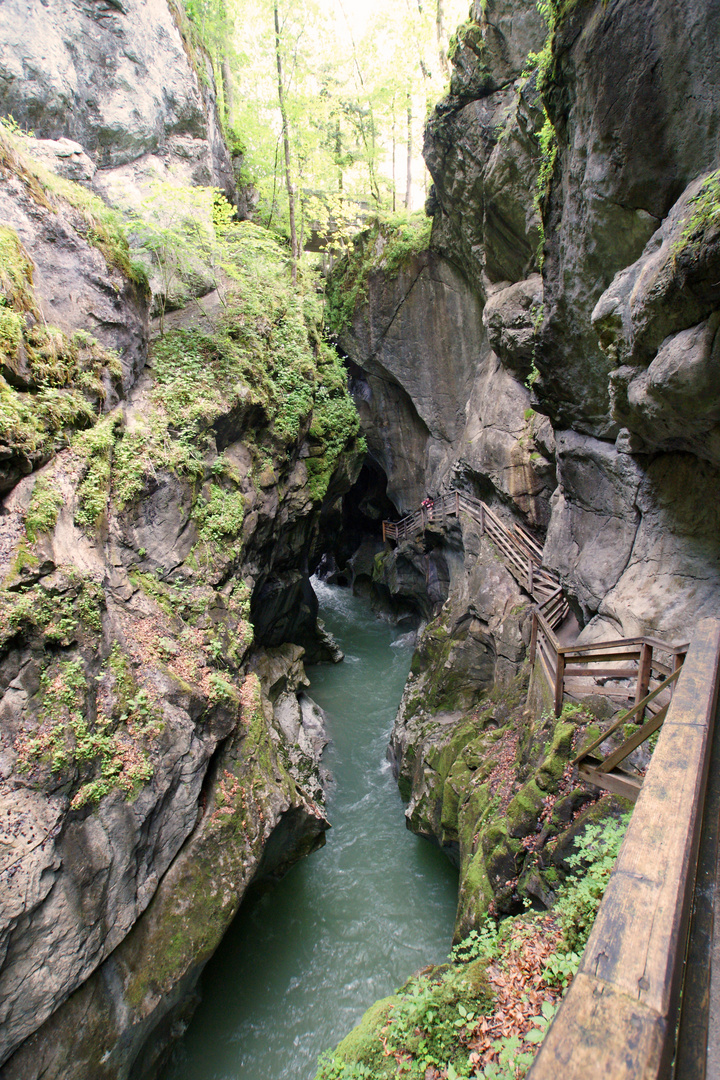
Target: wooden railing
639,672
618,1019
520,551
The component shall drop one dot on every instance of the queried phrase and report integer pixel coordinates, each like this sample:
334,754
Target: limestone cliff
161,511
567,308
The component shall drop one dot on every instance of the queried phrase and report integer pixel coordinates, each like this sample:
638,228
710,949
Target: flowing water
347,925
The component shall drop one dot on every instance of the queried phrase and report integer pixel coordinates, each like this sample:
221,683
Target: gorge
184,443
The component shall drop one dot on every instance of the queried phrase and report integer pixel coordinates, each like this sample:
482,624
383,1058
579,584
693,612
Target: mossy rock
524,810
475,896
453,792
362,1045
422,1017
559,753
501,854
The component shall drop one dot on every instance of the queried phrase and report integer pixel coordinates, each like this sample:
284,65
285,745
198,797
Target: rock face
256,820
157,753
578,226
623,161
616,332
66,70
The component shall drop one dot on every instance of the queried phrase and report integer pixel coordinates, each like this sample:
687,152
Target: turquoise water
347,925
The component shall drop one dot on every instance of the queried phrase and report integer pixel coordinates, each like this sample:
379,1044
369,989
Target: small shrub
44,508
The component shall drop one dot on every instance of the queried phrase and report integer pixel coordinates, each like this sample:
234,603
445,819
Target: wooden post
422,517
533,637
559,681
384,534
482,518
643,679
530,576
457,503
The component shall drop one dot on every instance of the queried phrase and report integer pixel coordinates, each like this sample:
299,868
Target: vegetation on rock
485,1013
388,244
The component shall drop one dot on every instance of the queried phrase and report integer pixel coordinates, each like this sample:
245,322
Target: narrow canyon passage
348,925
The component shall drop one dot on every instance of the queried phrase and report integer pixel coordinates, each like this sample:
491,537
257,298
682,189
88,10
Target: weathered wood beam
618,1019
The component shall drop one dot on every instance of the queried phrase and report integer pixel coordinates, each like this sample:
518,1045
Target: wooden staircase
639,673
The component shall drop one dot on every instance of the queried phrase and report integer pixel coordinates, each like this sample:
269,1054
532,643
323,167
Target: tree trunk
286,146
228,92
408,184
338,156
440,33
394,142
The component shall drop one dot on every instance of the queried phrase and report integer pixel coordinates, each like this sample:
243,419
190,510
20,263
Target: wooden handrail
523,557
519,549
618,1019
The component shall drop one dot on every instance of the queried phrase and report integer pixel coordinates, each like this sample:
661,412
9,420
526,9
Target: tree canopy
327,102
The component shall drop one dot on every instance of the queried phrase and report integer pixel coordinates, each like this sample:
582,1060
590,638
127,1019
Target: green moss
68,375
219,518
105,754
54,619
44,507
387,245
96,447
421,1026
99,224
16,272
264,370
703,220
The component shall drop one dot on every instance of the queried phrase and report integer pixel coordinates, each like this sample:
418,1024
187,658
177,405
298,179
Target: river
349,924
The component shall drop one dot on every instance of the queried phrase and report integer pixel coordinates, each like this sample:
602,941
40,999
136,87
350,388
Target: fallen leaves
522,993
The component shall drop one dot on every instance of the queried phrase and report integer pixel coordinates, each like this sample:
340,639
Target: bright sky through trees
358,79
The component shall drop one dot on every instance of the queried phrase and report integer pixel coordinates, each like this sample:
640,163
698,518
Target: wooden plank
634,741
624,718
547,630
603,658
633,959
593,646
615,782
533,638
549,654
643,678
547,667
559,675
580,1045
615,693
601,673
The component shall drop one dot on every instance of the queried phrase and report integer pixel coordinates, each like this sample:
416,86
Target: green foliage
704,218
172,233
220,517
96,446
389,242
106,754
59,620
67,374
579,898
426,1024
16,272
264,359
100,225
479,944
44,508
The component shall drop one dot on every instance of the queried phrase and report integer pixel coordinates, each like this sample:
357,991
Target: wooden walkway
639,673
520,551
619,1019
645,1002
